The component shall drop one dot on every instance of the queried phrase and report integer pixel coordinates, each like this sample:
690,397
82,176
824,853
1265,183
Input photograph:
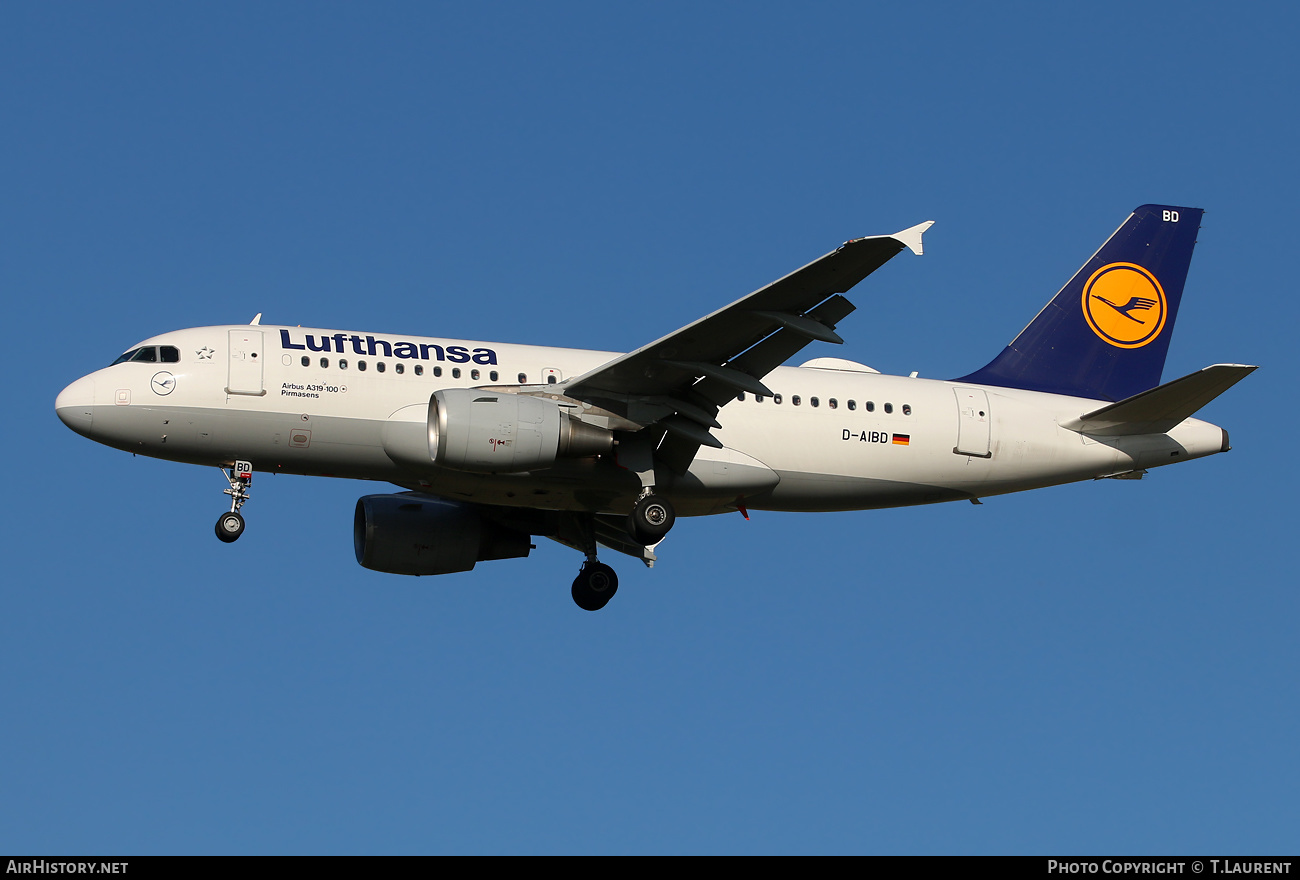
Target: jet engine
492,432
415,534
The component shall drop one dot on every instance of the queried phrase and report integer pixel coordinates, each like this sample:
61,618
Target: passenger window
343,364
853,404
796,400
889,407
758,398
523,378
473,374
361,365
306,361
833,403
814,401
437,371
550,380
740,396
455,372
870,406
400,368
325,362
907,409
492,376
776,398
170,354
379,367
419,369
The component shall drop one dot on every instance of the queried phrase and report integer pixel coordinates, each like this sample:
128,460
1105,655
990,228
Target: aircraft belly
272,441
725,474
802,491
355,448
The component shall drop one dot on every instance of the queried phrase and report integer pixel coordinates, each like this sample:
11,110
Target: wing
678,383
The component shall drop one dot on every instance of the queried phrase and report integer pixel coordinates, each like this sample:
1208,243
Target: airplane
496,443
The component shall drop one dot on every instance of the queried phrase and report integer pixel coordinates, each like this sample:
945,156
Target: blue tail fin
1105,335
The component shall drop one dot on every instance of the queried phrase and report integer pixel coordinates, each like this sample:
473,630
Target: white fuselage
345,404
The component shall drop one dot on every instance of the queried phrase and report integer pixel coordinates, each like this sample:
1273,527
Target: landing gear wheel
230,526
650,519
594,586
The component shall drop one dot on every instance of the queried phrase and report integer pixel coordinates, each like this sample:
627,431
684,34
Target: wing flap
1160,409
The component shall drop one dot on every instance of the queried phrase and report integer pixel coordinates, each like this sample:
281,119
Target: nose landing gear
230,525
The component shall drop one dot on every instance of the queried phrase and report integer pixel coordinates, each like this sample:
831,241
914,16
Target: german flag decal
902,439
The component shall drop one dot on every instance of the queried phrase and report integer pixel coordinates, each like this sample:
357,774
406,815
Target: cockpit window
150,354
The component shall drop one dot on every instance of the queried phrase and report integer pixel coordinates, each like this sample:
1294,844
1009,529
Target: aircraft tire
594,586
230,526
651,519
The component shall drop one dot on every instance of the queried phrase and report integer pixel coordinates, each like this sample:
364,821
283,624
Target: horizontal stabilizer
1160,409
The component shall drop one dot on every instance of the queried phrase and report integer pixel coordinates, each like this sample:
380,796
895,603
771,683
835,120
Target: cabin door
245,362
972,422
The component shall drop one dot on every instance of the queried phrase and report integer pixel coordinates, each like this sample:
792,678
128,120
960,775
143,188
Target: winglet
912,236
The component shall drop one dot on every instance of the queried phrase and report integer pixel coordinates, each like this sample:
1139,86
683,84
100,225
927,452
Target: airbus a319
495,443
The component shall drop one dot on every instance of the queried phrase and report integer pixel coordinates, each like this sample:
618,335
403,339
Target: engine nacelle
414,534
491,432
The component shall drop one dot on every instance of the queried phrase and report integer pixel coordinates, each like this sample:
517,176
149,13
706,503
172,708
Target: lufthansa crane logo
1124,305
163,383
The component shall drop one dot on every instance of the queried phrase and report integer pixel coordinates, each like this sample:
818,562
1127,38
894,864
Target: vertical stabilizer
1106,333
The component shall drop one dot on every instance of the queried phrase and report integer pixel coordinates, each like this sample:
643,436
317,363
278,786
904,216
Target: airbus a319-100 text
496,443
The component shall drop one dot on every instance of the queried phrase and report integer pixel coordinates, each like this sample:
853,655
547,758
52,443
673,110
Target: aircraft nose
75,404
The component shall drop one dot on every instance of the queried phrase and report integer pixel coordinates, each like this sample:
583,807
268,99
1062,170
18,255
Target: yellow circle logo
1125,305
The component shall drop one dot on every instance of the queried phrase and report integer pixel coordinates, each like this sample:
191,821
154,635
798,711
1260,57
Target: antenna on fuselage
257,319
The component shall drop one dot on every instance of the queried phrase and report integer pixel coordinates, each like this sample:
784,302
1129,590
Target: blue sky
1102,668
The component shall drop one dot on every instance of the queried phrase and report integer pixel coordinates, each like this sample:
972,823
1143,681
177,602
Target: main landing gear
596,582
230,525
650,519
652,515
594,586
